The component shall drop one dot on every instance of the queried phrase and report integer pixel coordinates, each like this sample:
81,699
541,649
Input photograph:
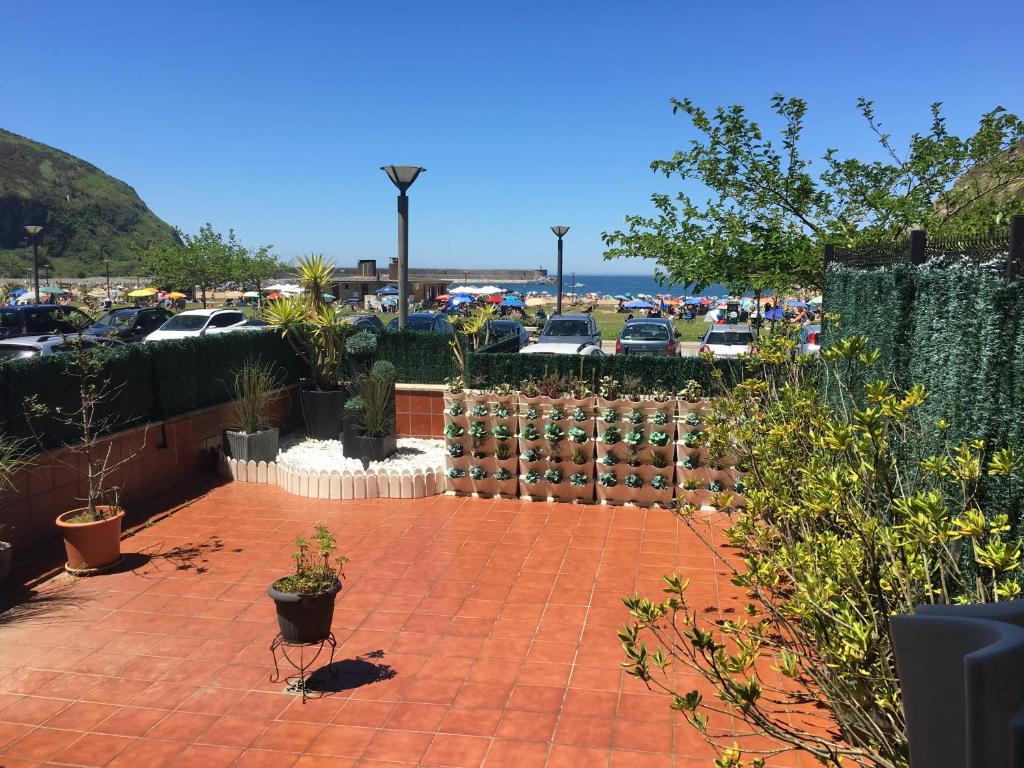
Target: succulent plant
659,418
636,416
740,487
553,433
610,459
529,432
501,432
455,473
478,411
500,411
715,486
658,438
478,430
455,409
634,436
611,436
578,435
477,472
503,451
454,430
531,413
690,462
634,480
557,413
553,476
579,414
532,477
660,483
579,456
579,479
609,415
658,459
502,475
531,455
693,418
455,450
608,479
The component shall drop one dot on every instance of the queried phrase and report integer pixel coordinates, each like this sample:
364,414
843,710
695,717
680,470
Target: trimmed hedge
959,332
671,373
419,357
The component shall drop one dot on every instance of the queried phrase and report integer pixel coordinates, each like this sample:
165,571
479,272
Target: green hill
87,215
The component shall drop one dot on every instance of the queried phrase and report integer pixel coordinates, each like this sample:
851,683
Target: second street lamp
559,233
402,176
33,233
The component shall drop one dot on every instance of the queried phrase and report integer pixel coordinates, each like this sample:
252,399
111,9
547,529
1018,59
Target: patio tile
43,743
459,751
288,737
235,731
94,749
398,746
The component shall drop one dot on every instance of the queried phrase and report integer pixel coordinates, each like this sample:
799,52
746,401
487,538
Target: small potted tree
305,599
92,533
254,388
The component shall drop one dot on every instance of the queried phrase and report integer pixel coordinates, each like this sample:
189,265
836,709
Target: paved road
686,348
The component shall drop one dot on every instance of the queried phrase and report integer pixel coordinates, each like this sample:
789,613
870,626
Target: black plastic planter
368,449
322,411
305,618
258,446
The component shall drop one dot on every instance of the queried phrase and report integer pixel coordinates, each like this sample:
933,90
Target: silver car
43,346
647,336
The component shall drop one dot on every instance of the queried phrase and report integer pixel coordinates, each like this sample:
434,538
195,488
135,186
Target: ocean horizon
611,285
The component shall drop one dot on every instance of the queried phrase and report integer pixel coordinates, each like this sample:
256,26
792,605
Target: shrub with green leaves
579,479
850,520
361,343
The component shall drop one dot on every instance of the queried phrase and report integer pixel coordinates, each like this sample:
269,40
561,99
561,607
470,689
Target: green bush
419,357
670,373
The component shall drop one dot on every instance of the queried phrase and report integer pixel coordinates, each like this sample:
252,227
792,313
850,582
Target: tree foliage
767,210
837,537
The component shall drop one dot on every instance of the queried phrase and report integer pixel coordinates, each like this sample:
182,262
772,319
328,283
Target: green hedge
959,332
419,357
648,372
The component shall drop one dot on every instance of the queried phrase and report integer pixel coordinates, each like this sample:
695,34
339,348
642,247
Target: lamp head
402,176
560,231
33,229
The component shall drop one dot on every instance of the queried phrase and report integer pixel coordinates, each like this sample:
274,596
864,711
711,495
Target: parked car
555,348
131,324
647,336
200,322
571,329
807,340
372,322
728,340
425,321
41,319
22,347
501,328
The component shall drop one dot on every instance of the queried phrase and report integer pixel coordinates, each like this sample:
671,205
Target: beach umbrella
495,299
459,298
51,290
251,294
328,297
638,304
512,301
389,290
139,292
442,297
814,300
176,295
795,304
275,295
693,301
620,297
18,292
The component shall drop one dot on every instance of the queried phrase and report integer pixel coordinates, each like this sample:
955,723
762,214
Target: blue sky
273,118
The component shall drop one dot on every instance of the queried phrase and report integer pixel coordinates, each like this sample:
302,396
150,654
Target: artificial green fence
959,332
639,373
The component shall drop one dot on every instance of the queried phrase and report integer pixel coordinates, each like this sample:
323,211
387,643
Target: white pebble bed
315,456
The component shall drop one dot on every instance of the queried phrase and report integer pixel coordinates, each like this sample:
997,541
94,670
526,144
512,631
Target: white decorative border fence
342,485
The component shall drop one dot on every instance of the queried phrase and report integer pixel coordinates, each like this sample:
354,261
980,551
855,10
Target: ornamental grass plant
849,520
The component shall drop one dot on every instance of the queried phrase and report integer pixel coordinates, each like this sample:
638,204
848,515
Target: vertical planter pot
322,413
666,407
92,547
256,446
460,486
568,493
533,491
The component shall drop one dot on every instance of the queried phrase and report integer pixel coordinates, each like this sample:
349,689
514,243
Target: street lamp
106,270
559,233
402,176
33,233
46,268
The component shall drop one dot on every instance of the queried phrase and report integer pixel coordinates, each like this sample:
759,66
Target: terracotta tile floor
491,625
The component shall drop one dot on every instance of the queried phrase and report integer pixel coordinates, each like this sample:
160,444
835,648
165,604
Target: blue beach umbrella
459,298
512,301
693,301
638,304
389,290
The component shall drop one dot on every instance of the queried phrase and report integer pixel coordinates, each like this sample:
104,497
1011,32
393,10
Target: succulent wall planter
576,407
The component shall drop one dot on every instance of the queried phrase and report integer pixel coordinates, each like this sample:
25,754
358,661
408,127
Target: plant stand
299,683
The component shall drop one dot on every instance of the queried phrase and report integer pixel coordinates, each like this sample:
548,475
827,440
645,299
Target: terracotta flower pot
92,547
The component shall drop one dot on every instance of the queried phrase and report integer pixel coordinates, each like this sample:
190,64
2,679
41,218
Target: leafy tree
254,268
769,210
203,260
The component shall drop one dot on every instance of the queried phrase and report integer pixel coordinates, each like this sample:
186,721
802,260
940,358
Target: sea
610,285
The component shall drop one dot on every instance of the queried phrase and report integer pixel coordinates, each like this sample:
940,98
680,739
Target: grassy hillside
87,215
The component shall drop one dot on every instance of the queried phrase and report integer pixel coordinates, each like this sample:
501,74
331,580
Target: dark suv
131,324
41,319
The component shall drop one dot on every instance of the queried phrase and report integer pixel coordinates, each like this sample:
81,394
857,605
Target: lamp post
573,286
47,268
402,176
33,233
106,271
559,233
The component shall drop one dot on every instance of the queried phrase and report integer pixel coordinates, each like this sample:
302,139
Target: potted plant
12,458
370,433
305,599
92,533
318,335
254,388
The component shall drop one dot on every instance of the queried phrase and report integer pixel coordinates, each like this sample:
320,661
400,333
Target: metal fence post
918,242
1015,259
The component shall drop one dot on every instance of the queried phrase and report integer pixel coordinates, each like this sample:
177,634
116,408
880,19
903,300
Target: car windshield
10,320
15,351
116,320
730,339
566,328
419,323
185,323
645,332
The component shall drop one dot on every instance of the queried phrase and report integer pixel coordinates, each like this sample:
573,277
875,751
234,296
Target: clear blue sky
272,118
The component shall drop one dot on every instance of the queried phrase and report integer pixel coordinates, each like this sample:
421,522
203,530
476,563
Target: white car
200,322
728,341
550,348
